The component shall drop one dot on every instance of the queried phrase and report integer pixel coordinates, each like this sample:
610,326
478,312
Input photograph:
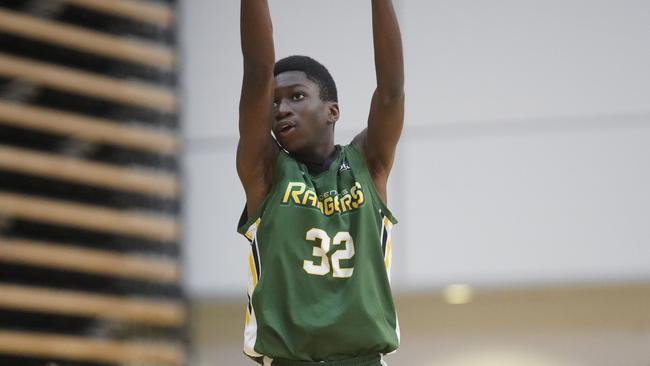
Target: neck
318,160
317,156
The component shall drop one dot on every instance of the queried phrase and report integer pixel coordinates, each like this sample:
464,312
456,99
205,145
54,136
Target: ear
333,112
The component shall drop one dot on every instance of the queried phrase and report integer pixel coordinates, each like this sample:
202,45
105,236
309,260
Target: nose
283,110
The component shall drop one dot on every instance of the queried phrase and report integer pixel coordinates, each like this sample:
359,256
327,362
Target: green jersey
320,265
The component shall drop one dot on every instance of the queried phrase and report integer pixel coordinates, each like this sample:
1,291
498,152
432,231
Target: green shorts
369,360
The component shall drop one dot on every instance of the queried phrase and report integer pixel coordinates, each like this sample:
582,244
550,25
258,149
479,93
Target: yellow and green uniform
319,263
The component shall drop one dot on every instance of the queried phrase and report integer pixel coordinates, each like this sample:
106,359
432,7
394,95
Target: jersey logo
328,203
344,166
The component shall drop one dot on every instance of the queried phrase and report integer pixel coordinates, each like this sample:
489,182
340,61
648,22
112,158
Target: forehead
292,78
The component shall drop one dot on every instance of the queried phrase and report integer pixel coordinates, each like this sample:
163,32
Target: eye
298,96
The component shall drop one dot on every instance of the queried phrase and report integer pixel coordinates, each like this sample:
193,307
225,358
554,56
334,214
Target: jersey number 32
347,252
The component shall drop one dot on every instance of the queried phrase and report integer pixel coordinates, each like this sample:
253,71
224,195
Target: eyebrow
291,86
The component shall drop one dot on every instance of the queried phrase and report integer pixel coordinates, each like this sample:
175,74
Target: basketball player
316,214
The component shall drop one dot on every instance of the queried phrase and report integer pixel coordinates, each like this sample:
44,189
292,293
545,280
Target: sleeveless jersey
320,265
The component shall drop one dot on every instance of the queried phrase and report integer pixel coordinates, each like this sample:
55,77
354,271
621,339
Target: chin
291,145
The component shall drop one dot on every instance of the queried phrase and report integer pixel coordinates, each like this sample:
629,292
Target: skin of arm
379,140
256,149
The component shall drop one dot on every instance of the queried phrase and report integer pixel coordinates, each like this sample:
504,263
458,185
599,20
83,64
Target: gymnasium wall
524,147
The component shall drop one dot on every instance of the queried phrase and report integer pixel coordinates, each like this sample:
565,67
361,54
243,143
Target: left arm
379,140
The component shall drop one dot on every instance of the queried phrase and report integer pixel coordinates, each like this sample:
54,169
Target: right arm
256,150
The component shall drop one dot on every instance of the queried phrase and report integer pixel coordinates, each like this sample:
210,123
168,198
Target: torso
320,248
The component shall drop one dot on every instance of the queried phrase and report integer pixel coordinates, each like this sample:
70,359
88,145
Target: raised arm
386,118
256,150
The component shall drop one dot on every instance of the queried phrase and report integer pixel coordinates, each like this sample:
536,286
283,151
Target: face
300,120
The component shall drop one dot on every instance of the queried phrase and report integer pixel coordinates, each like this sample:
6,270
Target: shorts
368,360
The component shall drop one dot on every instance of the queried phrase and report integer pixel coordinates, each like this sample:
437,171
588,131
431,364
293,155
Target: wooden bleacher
90,237
81,82
86,40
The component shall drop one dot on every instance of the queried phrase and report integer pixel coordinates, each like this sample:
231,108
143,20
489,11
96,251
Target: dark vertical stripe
384,239
250,305
256,258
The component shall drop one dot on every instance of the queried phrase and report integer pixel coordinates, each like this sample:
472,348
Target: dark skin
301,121
290,106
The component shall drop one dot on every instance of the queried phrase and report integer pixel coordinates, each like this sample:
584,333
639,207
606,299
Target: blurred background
520,182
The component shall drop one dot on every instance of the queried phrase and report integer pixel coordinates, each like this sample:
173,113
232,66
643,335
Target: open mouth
286,130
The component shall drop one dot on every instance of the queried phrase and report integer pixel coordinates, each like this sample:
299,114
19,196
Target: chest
340,190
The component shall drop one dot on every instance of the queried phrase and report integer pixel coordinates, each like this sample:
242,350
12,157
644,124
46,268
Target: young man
316,214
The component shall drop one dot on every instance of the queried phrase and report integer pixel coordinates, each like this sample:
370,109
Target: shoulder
378,176
358,146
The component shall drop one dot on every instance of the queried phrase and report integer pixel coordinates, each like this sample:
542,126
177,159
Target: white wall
525,152
535,202
524,59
